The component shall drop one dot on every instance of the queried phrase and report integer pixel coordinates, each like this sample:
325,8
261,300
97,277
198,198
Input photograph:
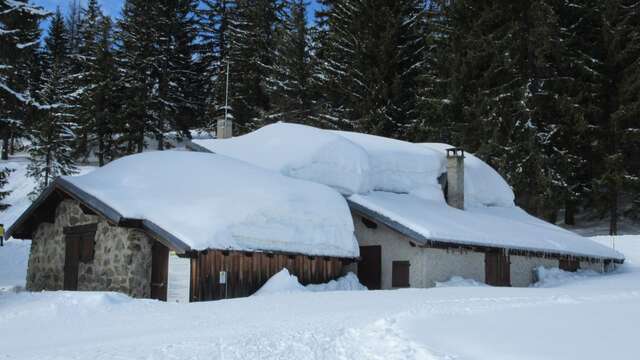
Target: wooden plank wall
247,272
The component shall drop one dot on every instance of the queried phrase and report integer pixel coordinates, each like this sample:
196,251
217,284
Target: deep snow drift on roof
349,162
212,201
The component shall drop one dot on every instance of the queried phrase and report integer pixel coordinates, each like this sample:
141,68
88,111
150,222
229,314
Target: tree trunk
613,220
569,213
100,150
5,145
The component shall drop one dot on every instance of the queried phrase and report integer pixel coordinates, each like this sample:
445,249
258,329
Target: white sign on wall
223,277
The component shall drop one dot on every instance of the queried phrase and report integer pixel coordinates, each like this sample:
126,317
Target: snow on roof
398,180
349,162
212,201
504,227
482,184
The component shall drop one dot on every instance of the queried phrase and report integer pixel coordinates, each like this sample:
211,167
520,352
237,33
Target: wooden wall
248,271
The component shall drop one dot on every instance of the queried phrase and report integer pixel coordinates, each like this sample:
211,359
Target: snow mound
554,277
14,256
212,201
302,152
458,281
397,166
348,282
284,282
281,282
349,162
482,184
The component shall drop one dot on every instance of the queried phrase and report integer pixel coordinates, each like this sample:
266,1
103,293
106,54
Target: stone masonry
121,262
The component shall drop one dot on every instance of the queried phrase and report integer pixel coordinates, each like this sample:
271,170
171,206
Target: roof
396,182
197,201
499,227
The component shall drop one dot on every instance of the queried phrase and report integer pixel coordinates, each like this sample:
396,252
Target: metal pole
226,97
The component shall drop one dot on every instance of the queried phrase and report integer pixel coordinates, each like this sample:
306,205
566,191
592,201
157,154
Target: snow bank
482,184
14,256
489,226
458,281
281,282
554,277
212,201
349,162
349,282
284,282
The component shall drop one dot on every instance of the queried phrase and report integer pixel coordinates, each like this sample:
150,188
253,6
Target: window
400,274
368,223
82,238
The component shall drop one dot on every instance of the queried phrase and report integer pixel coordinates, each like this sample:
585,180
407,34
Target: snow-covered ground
572,317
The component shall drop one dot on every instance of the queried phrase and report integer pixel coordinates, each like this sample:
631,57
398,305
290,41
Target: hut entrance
369,266
159,271
497,269
79,245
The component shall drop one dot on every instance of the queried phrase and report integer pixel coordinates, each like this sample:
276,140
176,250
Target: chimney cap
455,152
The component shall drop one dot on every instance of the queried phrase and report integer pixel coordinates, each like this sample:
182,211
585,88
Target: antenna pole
226,96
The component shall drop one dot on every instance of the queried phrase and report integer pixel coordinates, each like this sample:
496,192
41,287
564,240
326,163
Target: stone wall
121,262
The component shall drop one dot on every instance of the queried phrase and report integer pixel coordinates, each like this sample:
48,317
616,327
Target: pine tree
4,180
19,39
369,61
618,129
136,57
87,77
291,94
251,60
52,132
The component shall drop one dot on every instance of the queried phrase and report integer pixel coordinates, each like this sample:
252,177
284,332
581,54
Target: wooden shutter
83,237
400,274
569,265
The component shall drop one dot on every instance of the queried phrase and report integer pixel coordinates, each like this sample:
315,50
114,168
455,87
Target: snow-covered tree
19,40
369,60
52,130
291,90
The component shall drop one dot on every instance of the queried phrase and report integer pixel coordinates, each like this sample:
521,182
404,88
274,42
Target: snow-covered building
421,213
112,229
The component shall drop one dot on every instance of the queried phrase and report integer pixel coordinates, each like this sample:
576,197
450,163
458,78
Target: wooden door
71,259
497,269
159,271
79,247
370,266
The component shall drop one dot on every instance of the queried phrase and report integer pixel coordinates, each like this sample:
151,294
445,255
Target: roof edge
196,147
99,207
423,240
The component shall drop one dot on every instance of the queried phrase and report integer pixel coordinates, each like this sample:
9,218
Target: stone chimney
225,129
455,178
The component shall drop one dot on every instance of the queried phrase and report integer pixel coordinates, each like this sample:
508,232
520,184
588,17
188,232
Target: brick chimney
455,178
225,129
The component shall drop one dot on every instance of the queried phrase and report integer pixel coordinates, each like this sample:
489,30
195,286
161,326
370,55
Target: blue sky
113,7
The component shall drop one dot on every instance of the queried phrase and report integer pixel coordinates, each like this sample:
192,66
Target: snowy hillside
577,317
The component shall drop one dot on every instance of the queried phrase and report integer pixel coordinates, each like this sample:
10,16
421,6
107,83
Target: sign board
223,277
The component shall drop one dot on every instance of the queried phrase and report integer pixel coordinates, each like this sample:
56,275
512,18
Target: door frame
376,284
